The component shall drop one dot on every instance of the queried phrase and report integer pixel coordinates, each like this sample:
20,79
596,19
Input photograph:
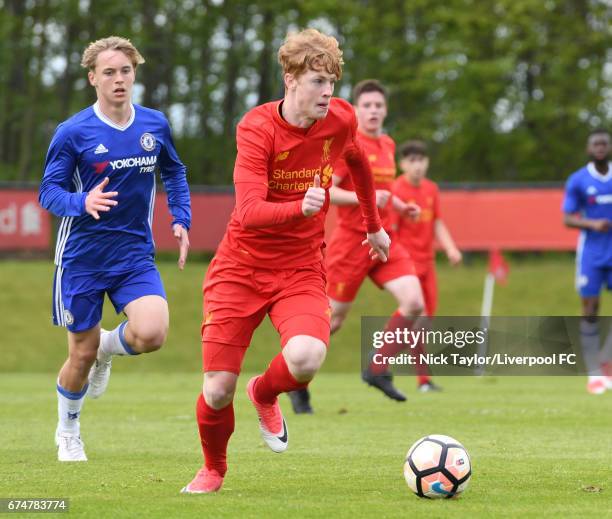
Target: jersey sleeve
361,175
174,177
60,165
572,201
255,147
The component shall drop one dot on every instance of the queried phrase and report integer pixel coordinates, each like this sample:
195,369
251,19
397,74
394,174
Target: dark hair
598,131
413,148
368,85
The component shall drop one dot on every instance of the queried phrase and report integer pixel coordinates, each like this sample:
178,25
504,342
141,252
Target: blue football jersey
85,149
590,193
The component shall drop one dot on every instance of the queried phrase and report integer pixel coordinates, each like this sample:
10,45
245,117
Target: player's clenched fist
314,198
97,200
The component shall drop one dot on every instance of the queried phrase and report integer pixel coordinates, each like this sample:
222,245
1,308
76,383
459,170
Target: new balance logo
100,149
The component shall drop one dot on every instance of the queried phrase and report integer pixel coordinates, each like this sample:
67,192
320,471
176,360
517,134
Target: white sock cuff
114,343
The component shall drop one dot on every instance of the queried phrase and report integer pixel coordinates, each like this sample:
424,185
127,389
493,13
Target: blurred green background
538,285
504,89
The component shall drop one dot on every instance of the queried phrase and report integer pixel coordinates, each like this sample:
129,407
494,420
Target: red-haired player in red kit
417,235
270,260
348,264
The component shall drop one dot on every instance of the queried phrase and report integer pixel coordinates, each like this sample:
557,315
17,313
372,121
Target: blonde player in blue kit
100,179
588,206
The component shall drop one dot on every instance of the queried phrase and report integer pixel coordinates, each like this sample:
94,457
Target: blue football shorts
78,296
590,278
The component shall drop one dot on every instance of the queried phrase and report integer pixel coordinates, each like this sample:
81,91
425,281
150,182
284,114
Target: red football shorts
426,273
348,264
237,297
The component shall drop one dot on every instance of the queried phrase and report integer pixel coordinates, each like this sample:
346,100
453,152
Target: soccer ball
437,466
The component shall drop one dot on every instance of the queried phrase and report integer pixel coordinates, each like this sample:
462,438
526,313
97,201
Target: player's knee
217,394
149,338
412,307
82,360
305,361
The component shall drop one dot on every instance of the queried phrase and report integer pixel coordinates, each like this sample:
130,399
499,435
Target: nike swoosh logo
283,437
437,487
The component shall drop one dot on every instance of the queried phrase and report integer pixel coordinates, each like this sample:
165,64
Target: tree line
503,90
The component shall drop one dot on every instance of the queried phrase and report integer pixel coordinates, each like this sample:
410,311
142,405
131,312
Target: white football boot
99,374
70,447
271,422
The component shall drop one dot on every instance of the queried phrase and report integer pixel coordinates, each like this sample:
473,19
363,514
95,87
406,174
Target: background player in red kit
347,263
270,259
417,235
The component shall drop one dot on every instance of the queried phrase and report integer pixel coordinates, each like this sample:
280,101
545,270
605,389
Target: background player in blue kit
588,206
100,178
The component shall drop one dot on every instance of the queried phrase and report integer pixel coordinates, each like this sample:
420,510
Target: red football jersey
275,166
381,156
417,237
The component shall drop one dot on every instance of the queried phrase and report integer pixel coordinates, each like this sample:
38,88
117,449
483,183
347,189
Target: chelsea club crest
147,141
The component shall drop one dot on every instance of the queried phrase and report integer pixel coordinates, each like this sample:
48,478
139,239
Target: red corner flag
498,266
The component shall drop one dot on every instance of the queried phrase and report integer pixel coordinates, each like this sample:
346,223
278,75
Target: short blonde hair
90,54
310,50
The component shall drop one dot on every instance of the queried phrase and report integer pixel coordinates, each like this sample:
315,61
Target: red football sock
276,380
215,426
421,368
391,349
396,321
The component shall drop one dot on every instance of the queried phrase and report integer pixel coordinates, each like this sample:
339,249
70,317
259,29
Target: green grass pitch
540,447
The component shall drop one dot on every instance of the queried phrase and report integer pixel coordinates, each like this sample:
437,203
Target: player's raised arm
60,165
251,182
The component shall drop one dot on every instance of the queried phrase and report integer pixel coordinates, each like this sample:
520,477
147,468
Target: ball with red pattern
437,466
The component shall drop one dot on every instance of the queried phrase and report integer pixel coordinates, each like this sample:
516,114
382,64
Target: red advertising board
24,225
210,213
513,219
506,219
